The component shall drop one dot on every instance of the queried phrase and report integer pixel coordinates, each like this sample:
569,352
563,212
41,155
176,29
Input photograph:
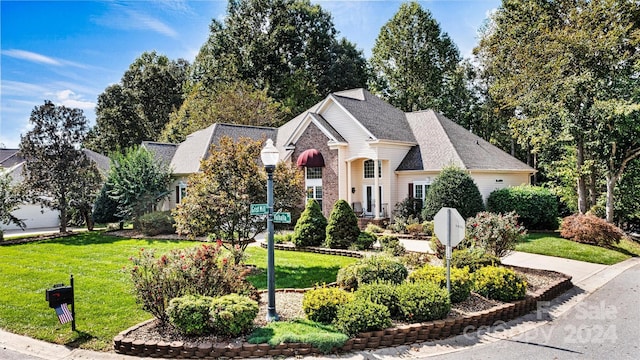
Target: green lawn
104,302
553,245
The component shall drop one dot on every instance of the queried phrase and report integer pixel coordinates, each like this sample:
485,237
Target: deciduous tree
57,173
10,201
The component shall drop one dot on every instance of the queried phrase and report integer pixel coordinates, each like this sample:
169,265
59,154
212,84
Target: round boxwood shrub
422,301
361,315
536,206
321,305
499,283
342,228
453,188
365,241
370,269
380,292
473,259
233,314
460,280
311,228
190,314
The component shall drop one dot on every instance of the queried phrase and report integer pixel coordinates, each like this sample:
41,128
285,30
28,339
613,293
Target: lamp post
269,156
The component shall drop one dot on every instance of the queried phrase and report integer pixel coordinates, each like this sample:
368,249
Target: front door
370,207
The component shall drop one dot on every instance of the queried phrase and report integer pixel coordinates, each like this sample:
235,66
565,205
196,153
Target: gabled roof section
9,158
287,130
102,162
326,126
382,120
195,148
442,142
162,151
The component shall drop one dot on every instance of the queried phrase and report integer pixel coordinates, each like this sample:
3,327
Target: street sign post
449,227
282,218
259,209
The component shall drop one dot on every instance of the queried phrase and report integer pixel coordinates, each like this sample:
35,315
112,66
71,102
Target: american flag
64,315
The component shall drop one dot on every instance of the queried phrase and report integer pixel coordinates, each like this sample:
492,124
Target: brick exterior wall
314,138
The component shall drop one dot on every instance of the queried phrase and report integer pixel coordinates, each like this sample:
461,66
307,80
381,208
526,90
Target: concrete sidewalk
587,278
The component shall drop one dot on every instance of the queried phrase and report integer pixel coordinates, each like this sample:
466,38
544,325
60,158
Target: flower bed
124,343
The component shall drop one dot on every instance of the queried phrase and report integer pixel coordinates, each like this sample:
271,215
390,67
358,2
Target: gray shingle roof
186,159
383,121
325,124
443,142
9,157
162,151
102,162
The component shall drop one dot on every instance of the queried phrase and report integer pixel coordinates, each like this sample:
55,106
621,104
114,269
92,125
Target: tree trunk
63,214
611,185
582,188
87,219
593,188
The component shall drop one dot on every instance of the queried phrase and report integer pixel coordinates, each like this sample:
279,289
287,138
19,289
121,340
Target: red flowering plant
496,234
203,270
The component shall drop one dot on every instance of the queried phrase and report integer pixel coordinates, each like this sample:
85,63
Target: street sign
449,225
282,218
259,209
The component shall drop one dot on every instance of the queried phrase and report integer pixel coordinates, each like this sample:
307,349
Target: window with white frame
181,192
313,183
420,189
369,170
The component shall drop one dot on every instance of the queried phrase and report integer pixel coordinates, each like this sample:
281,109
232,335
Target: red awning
310,158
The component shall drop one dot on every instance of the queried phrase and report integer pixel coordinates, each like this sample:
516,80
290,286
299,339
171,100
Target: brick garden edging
405,334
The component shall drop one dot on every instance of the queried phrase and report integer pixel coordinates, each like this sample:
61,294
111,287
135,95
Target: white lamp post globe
269,154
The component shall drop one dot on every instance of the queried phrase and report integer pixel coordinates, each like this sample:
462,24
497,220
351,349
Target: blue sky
70,51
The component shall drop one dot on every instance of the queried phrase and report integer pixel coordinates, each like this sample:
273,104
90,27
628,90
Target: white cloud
70,99
31,56
124,18
19,88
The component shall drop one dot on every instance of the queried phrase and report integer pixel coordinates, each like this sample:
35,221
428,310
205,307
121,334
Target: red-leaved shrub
590,229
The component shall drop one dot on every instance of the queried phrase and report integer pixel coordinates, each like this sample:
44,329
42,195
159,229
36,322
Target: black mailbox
59,295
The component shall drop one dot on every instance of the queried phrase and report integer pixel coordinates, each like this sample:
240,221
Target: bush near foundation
537,207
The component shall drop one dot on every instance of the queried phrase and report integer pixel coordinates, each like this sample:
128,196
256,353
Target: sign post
449,227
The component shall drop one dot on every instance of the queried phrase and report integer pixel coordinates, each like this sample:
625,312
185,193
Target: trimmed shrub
427,227
373,228
361,315
282,238
342,228
391,245
499,283
453,188
414,260
409,207
321,305
383,293
537,207
370,269
190,314
590,229
202,270
415,229
233,314
497,234
311,228
473,259
422,301
365,241
155,223
460,280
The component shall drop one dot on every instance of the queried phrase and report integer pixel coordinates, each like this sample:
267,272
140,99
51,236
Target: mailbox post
59,296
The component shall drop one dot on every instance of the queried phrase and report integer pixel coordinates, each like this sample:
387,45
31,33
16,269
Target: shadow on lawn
296,276
99,237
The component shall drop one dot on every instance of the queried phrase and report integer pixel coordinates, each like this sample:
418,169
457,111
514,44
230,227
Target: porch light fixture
269,156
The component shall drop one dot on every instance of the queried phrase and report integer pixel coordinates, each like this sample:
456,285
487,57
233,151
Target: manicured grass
105,304
321,336
553,245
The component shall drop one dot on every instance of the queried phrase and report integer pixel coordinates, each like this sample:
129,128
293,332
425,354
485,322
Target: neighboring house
354,146
33,215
